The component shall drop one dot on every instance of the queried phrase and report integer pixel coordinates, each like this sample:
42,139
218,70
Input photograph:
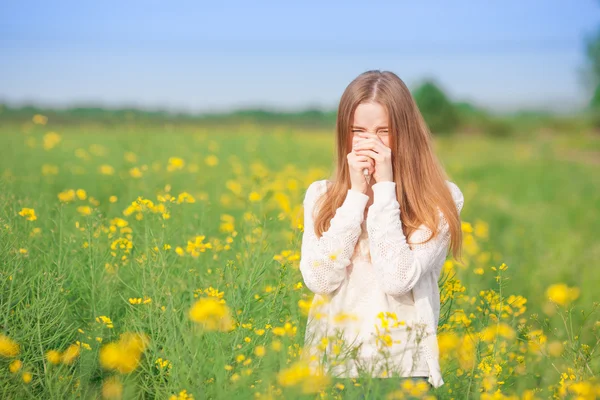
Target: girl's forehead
370,113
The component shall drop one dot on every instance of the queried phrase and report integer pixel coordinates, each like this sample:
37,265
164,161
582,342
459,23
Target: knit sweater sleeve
398,267
323,260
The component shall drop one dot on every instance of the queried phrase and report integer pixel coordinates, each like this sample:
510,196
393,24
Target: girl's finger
366,152
364,146
373,136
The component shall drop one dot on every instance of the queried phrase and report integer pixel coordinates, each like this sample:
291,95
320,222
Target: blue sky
198,56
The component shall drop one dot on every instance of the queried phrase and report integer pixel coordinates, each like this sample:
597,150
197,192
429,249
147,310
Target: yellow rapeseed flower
106,169
185,197
211,160
490,333
260,351
555,348
81,194
162,363
53,356
299,373
183,395
8,347
67,196
26,377
234,186
212,314
175,163
49,169
124,355
70,354
130,157
39,119
84,210
254,196
562,294
15,366
28,214
279,331
105,320
135,172
112,388
51,139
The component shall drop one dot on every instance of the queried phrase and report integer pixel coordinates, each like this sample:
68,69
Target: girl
375,239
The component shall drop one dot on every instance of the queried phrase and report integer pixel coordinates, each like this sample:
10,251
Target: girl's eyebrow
360,127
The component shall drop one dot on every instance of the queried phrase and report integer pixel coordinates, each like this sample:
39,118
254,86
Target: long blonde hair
420,178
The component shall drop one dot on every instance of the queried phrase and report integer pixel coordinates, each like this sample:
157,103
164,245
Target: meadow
161,262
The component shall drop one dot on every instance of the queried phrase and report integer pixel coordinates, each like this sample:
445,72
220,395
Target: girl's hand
356,164
371,145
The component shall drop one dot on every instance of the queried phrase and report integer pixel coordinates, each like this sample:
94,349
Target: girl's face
373,118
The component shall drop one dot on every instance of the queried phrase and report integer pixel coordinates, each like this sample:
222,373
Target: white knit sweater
383,273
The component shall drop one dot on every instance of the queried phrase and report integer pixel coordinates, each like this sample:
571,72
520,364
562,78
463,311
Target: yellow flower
555,348
39,119
84,210
70,354
234,186
8,347
447,343
211,160
130,157
227,223
113,199
254,197
135,172
260,351
51,139
15,366
48,169
53,356
185,197
276,345
417,389
490,333
28,214
112,388
279,331
67,196
105,320
106,169
481,229
562,294
183,395
299,373
26,377
536,341
125,354
212,314
81,194
175,163
162,363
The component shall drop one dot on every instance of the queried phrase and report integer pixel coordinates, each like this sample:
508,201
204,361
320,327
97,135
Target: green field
133,225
